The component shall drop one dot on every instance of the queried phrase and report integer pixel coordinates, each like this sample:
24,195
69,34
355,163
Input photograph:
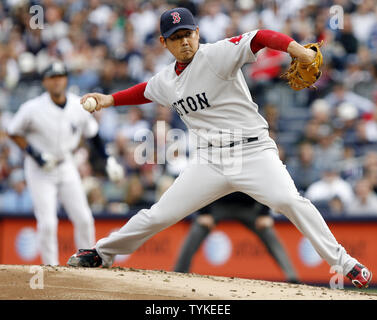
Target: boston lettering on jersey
185,106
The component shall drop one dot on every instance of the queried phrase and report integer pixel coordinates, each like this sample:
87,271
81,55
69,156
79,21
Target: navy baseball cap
176,19
55,69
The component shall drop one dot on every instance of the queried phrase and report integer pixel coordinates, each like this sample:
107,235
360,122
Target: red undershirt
263,38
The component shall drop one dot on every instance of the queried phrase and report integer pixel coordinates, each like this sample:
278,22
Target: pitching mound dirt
66,283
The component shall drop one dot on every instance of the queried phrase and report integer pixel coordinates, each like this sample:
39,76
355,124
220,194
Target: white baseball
90,104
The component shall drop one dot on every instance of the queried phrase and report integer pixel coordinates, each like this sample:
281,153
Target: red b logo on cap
176,17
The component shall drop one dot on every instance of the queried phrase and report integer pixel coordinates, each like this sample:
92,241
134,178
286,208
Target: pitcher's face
182,44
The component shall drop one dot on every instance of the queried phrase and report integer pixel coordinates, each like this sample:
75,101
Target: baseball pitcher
206,87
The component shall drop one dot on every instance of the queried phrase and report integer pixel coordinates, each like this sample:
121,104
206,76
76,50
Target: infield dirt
67,283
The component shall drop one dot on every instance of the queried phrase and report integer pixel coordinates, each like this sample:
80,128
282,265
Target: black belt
234,143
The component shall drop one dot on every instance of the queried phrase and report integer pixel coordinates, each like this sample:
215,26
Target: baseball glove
303,75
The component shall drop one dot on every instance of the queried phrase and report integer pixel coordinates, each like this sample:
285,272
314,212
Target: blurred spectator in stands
349,166
83,73
120,147
91,183
99,13
321,31
336,207
320,113
136,126
299,26
298,23
134,58
264,72
329,186
363,20
272,17
233,27
355,72
370,168
156,53
345,123
16,43
17,199
107,76
9,71
371,175
373,91
33,40
122,76
147,68
365,201
329,148
142,187
113,32
310,132
370,160
250,19
109,122
304,169
134,190
346,36
367,127
365,58
54,27
213,21
5,153
143,21
96,199
130,152
5,168
27,67
5,22
372,41
268,65
12,155
148,177
271,114
340,94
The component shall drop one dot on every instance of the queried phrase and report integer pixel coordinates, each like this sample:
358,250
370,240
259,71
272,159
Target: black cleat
85,258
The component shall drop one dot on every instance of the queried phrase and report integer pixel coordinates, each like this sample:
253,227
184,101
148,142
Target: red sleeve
270,39
131,96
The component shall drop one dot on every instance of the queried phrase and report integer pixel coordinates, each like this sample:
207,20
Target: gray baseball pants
256,170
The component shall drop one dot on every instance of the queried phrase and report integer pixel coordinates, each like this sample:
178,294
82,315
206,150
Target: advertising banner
229,250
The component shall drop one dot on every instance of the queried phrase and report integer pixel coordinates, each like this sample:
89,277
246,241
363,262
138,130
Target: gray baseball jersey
217,99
